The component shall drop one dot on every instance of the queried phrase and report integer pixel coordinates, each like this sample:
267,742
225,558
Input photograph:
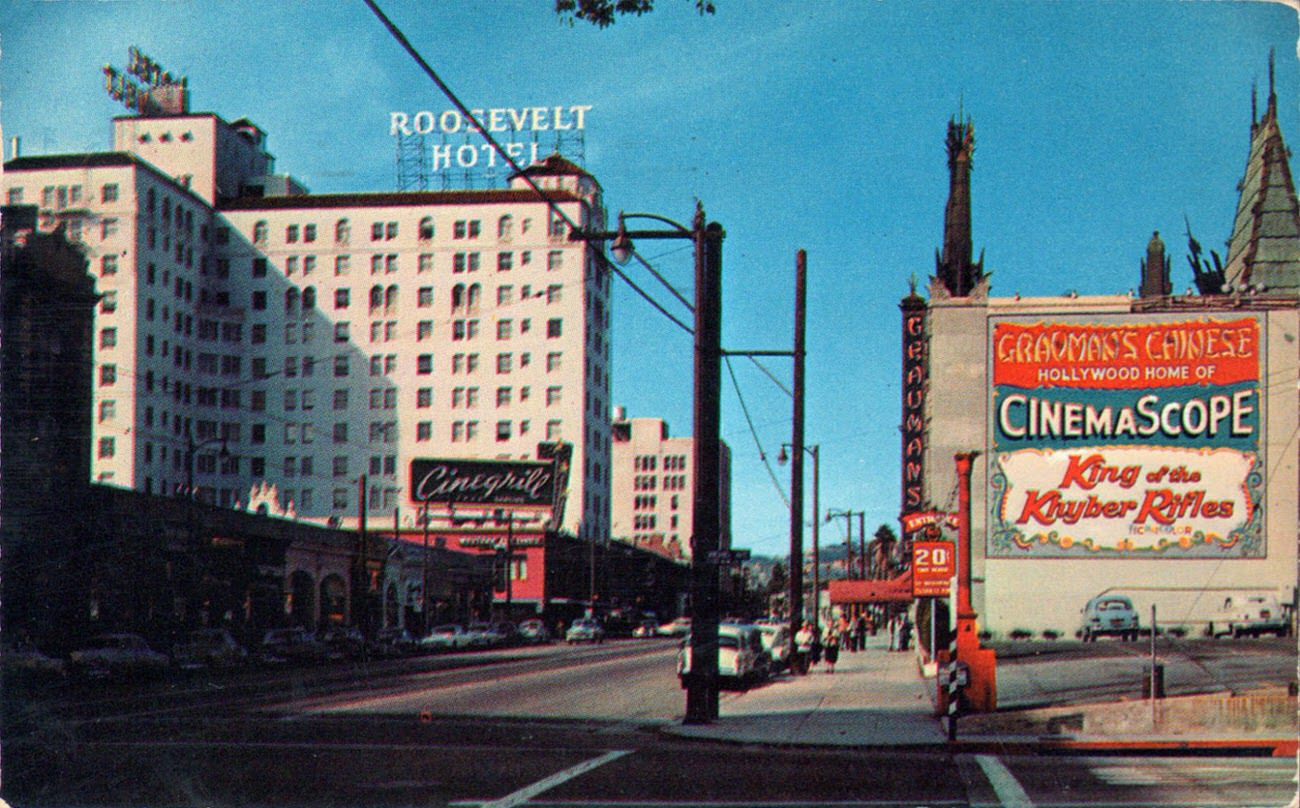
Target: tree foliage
603,13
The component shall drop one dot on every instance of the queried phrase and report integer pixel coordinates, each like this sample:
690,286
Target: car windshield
1111,605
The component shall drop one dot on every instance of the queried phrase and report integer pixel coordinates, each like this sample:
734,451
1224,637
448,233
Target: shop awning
890,590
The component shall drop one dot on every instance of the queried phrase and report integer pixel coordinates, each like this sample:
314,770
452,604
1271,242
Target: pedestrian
860,633
803,648
832,648
893,627
904,634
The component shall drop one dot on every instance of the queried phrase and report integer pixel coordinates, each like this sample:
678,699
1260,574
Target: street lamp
783,458
191,449
702,682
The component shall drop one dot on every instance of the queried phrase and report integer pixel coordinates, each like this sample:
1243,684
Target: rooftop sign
483,482
145,87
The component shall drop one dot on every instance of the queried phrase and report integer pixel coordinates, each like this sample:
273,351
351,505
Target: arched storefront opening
302,600
333,601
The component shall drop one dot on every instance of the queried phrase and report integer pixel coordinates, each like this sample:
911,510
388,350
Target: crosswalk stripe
1004,783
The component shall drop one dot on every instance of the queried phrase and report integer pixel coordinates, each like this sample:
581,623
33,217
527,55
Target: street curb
1205,747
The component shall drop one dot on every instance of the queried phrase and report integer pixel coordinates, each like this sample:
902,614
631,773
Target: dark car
209,648
114,655
342,642
285,645
395,642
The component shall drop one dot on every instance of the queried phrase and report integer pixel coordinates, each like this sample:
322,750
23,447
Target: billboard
483,482
1126,437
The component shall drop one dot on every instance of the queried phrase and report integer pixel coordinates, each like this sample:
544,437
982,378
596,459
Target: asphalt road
540,727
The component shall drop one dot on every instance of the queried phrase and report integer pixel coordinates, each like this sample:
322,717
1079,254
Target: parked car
676,628
1109,614
776,642
209,648
647,628
741,658
483,635
508,632
342,642
534,630
585,629
22,660
448,637
117,655
1250,615
395,642
289,645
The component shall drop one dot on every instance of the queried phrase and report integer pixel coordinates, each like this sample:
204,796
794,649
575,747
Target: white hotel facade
277,337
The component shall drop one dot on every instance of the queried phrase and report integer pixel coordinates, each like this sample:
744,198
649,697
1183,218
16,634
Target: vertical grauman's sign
1123,437
914,383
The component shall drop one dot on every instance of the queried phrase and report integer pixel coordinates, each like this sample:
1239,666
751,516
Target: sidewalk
875,697
878,698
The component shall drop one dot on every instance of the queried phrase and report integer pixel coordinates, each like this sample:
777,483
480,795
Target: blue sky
814,126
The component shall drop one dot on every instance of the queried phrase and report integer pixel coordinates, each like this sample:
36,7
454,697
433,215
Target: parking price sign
933,565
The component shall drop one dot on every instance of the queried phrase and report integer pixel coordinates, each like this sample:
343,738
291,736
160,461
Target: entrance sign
934,563
1123,437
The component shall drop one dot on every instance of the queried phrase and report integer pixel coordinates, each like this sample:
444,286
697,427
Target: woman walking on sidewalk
832,648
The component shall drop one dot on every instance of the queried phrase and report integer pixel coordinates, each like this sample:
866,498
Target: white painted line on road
1004,783
525,794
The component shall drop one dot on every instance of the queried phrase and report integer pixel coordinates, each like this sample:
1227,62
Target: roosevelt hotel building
302,340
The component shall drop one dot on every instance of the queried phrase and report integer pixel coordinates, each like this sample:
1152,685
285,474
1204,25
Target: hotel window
426,263
107,447
553,429
342,298
291,234
504,329
390,264
259,232
340,499
553,293
458,330
424,298
15,196
109,193
424,397
340,465
342,264
503,396
424,430
424,330
107,228
553,361
259,267
107,375
458,262
291,266
503,226
503,431
459,229
505,261
309,232
107,410
471,430
377,231
424,364
108,265
505,363
390,298
473,263
457,431
340,366
376,264
390,231
340,432
554,260
108,338
308,264
553,395
426,228
471,362
505,295
342,231
474,297
554,328
341,399
471,397
259,301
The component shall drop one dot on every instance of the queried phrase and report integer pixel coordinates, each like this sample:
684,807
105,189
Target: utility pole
702,685
796,438
360,581
862,542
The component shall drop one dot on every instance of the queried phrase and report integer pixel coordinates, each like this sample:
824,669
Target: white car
776,641
1250,615
741,658
117,655
676,628
449,637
